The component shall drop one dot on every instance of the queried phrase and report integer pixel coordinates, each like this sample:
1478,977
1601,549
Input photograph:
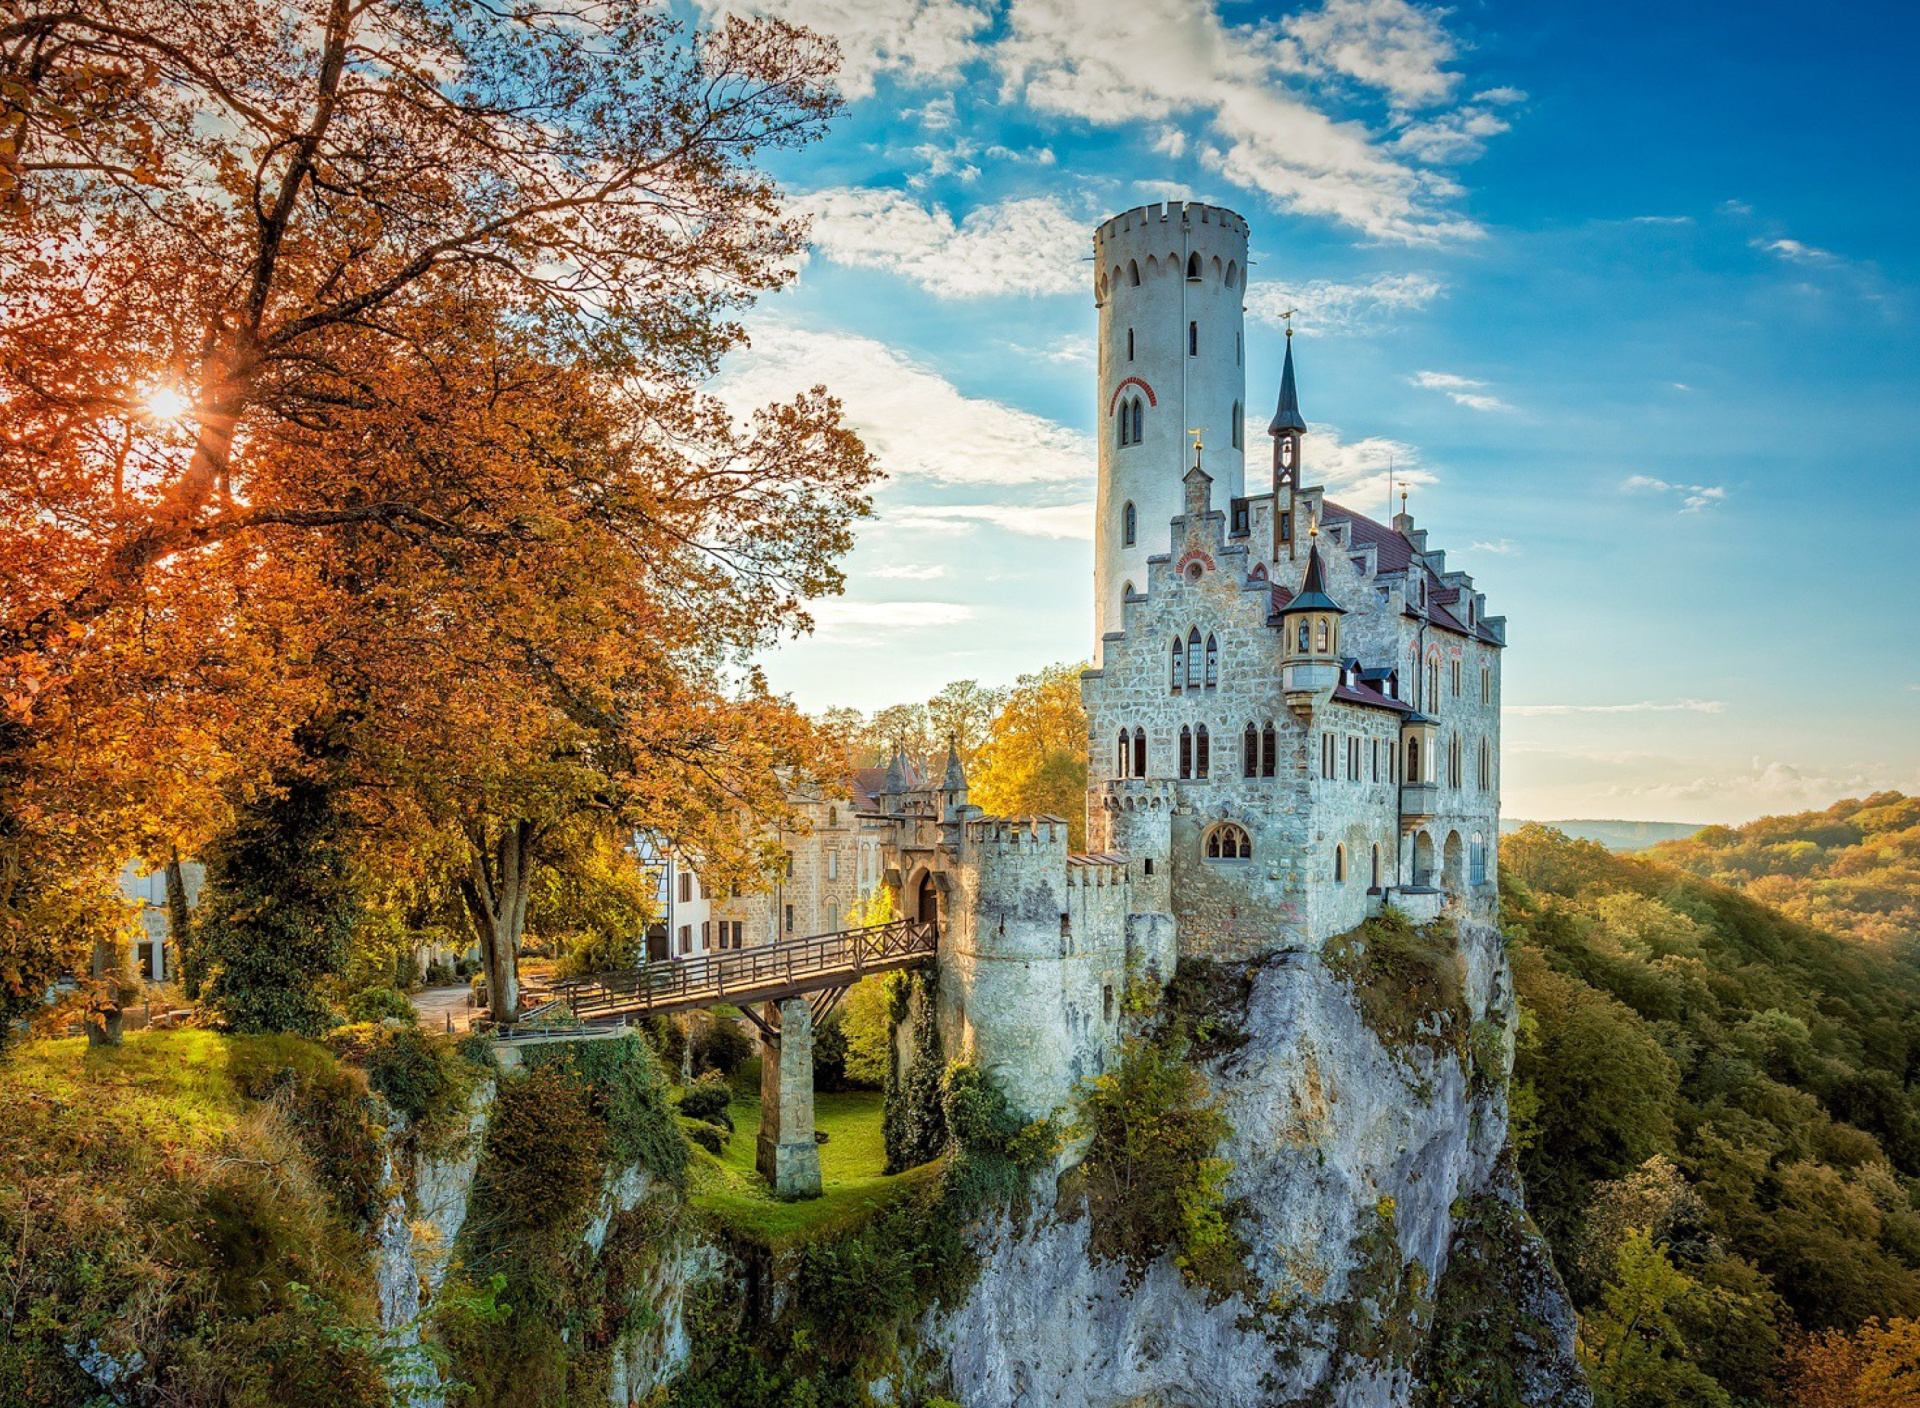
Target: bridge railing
749,974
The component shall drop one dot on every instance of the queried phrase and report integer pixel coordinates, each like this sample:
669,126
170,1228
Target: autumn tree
963,713
1034,759
350,376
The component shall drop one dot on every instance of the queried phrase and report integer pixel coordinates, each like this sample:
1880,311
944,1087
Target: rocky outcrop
1351,1158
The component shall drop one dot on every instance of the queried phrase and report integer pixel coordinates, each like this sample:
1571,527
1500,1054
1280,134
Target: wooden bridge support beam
788,1157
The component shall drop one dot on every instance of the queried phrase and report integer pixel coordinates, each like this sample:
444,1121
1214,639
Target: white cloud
838,618
1464,390
1693,497
1501,547
1176,61
909,572
1762,787
1795,252
1323,305
924,41
1356,473
1390,45
1644,706
1264,100
1663,219
1056,521
1029,246
918,424
1452,136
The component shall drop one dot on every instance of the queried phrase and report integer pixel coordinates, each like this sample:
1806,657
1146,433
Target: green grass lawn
851,1163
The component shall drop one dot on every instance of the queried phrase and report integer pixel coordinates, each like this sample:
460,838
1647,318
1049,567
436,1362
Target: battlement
1174,213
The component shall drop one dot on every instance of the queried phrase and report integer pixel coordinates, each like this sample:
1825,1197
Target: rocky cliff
1369,1184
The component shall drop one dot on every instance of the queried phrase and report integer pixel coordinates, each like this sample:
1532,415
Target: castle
1294,713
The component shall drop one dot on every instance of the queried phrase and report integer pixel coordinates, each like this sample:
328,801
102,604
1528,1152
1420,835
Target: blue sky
1627,291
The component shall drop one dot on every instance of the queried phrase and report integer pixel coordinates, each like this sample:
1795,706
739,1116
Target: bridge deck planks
768,973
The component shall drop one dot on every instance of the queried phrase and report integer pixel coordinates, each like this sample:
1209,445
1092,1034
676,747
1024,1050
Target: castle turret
1310,630
953,786
1287,429
1170,282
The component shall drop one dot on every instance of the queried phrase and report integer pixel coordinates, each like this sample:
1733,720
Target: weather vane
1288,316
1196,434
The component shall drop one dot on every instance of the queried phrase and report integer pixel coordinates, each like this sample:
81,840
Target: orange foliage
433,304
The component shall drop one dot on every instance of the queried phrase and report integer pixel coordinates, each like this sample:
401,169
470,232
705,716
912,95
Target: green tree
1633,1347
278,910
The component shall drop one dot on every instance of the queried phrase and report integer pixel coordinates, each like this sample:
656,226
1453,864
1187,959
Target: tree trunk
495,889
105,1020
179,924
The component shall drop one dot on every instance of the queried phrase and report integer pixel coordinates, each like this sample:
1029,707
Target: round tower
1170,283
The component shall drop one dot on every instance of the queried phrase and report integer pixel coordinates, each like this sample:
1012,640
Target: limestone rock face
1351,1162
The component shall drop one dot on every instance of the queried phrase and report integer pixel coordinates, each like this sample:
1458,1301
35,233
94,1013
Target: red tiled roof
1392,552
1365,694
866,785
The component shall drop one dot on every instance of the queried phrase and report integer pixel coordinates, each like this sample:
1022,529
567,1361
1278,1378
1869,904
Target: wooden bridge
821,968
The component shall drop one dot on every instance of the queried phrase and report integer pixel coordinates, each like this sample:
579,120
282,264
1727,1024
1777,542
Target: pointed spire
1313,587
1288,416
897,772
956,778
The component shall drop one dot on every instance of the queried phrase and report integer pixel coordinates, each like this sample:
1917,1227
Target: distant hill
1617,836
1852,869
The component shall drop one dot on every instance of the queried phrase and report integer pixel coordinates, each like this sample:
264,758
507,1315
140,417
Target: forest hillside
1714,1103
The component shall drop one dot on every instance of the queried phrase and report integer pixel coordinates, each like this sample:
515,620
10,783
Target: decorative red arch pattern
1113,400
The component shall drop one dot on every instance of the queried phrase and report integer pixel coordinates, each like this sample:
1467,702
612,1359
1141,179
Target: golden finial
1313,531
1196,434
1288,316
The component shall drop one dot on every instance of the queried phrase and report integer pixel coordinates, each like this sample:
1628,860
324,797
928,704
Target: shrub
712,1138
1409,984
379,1005
707,1100
915,1124
721,1046
628,1094
1151,1179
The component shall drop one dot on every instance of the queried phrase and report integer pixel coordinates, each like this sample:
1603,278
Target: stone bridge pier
787,1156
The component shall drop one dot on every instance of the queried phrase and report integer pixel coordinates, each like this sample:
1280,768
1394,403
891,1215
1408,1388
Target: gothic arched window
1121,427
1250,752
1453,761
1129,524
1413,760
1186,751
1228,842
1202,751
1193,268
1486,766
1179,663
1140,752
1268,747
1133,273
1195,663
1306,639
1477,860
1320,635
1213,663
1139,416
1126,754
